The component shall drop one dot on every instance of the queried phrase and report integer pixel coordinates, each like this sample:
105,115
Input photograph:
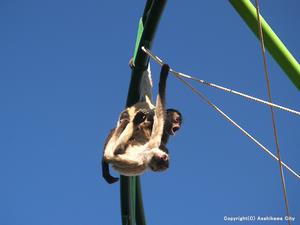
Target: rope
261,37
203,97
225,89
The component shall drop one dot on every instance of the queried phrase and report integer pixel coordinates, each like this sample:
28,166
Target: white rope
203,97
158,60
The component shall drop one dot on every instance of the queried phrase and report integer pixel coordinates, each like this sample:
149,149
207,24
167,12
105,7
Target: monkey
145,97
142,149
143,114
172,125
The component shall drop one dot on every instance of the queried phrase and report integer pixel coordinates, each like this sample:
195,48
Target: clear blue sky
64,79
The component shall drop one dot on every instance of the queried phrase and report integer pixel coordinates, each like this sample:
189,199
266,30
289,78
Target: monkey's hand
131,63
124,116
139,117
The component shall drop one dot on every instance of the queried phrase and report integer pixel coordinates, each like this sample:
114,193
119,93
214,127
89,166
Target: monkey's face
159,161
173,121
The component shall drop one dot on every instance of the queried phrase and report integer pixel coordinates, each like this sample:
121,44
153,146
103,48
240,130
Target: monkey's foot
139,117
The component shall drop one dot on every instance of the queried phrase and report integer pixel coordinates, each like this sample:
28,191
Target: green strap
138,38
272,42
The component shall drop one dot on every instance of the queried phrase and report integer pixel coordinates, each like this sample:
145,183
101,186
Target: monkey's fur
139,141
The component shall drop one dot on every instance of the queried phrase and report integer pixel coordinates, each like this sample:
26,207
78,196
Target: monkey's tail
106,174
159,117
163,83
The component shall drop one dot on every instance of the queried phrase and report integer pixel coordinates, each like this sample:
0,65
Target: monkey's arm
116,136
113,140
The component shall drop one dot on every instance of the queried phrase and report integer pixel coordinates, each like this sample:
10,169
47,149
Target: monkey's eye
177,120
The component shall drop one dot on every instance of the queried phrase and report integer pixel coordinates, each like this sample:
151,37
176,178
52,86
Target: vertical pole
130,187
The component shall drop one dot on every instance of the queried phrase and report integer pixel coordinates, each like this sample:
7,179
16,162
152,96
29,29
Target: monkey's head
159,161
173,121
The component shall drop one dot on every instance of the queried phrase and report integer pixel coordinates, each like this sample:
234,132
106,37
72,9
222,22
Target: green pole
272,42
132,209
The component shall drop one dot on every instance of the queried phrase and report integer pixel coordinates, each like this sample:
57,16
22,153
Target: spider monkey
139,140
142,147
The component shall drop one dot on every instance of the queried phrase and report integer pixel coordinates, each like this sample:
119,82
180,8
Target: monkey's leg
112,140
108,146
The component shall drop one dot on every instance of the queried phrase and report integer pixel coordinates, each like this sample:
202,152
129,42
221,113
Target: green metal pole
272,42
132,208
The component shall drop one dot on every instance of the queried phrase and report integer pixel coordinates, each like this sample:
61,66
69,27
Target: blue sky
64,79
